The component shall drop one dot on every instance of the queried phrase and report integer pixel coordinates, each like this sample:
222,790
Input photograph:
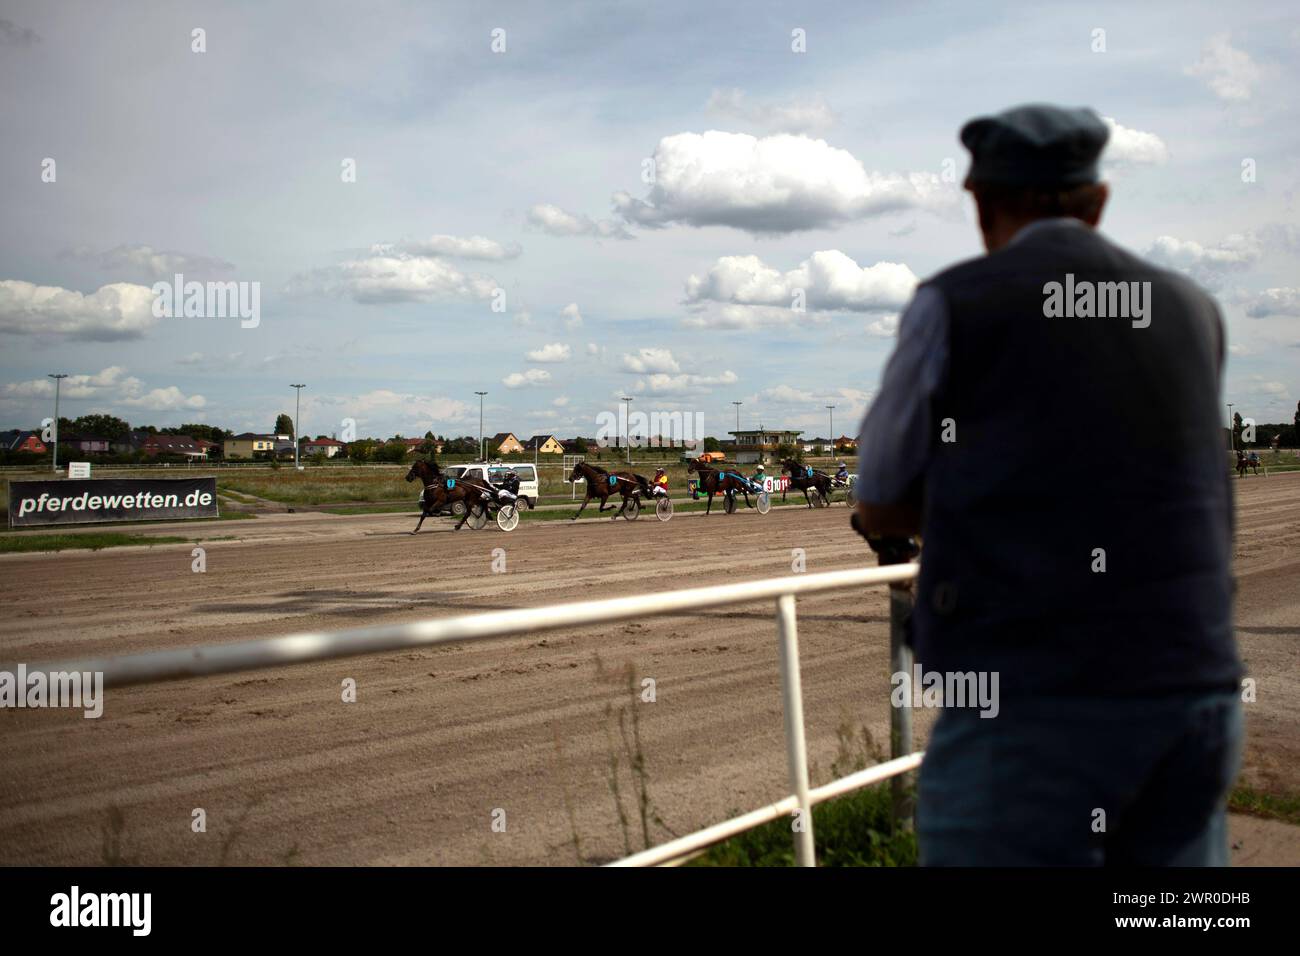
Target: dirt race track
412,772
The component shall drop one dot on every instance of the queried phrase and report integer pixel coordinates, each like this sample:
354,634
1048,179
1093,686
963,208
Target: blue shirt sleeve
894,443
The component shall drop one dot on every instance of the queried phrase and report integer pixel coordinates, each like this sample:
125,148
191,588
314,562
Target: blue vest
1077,441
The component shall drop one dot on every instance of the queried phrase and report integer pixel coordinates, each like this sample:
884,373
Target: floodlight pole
482,452
58,378
297,409
627,430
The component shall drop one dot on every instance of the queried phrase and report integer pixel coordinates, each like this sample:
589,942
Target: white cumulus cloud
773,184
683,384
384,278
166,399
534,376
1284,300
1132,147
553,352
651,360
473,247
1206,264
1228,71
555,221
830,281
116,311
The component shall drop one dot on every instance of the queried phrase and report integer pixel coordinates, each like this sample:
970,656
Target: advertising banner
77,501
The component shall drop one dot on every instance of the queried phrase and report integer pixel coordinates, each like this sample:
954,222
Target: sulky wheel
508,518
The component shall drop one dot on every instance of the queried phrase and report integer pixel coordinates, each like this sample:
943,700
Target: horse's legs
585,502
745,492
423,515
469,509
806,498
709,507
621,509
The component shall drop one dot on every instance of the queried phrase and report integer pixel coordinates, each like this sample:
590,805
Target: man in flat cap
1048,423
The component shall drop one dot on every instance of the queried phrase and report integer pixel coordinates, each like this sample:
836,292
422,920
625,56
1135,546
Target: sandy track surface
438,740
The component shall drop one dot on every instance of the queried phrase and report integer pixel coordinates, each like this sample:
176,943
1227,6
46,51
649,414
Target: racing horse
601,484
724,482
442,492
804,477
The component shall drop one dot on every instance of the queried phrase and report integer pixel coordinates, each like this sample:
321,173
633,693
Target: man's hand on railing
890,530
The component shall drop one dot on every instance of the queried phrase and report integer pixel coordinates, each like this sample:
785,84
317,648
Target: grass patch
17,544
229,516
396,508
1268,805
853,830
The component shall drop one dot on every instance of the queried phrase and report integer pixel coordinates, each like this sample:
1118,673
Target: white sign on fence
79,469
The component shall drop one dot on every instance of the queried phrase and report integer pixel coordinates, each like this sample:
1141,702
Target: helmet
659,471
760,467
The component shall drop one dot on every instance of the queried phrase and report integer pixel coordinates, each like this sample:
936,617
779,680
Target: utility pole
1232,430
58,378
831,409
297,410
738,404
627,430
482,452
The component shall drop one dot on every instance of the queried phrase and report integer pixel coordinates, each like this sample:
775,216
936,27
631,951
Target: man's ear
1094,214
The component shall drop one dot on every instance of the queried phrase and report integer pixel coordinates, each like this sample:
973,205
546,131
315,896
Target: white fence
318,646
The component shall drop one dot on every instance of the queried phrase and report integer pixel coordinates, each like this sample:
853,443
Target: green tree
104,426
712,444
580,446
210,432
283,424
362,449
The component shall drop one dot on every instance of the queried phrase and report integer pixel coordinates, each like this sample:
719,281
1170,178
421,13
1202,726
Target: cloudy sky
561,204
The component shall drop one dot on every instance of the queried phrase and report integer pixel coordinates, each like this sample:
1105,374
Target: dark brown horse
803,478
601,484
715,482
441,492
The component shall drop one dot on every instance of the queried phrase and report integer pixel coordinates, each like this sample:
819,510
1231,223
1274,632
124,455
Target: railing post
796,744
900,718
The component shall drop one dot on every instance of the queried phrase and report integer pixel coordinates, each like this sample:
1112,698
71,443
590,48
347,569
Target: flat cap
1035,145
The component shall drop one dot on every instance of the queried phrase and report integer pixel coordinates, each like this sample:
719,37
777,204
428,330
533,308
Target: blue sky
520,178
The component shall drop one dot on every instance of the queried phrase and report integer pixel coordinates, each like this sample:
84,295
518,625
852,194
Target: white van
495,472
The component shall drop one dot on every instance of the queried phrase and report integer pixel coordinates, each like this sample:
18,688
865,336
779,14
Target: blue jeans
1082,782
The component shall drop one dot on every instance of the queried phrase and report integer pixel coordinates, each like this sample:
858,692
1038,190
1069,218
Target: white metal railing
304,648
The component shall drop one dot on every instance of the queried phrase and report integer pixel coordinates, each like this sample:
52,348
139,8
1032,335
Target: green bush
854,830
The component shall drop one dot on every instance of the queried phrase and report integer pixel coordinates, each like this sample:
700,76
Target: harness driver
508,490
